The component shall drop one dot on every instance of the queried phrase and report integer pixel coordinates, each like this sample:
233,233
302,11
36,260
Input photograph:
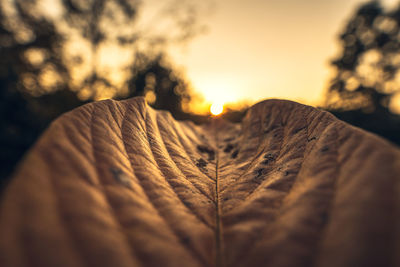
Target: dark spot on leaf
259,172
295,131
228,139
120,177
186,240
312,138
210,152
324,217
235,154
325,148
202,149
228,148
211,156
269,157
226,198
201,163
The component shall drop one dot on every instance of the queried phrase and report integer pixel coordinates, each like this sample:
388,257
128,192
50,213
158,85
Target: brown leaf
115,183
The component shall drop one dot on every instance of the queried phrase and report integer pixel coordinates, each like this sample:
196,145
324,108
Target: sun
216,108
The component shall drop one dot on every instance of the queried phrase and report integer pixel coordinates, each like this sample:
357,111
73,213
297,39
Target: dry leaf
115,183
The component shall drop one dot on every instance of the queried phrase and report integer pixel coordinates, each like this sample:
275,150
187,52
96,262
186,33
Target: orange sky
259,49
254,49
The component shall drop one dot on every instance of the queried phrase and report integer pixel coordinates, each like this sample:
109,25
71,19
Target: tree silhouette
162,87
52,60
367,71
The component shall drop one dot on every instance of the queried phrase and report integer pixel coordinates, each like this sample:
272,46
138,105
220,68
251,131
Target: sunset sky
251,50
259,49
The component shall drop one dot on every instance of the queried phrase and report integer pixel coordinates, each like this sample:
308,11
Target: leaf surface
116,183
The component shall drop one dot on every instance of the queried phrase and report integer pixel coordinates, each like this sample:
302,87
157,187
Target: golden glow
265,62
216,108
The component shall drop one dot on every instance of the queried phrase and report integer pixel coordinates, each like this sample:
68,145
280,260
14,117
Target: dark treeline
50,62
367,80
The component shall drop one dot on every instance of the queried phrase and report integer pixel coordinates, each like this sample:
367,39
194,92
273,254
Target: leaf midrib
218,232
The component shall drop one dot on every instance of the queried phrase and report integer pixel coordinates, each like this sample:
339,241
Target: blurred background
186,56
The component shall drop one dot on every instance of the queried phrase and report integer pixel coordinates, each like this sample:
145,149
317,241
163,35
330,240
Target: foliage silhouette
367,71
51,62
